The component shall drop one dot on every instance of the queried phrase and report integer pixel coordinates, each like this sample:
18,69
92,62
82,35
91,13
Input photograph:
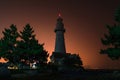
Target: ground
70,75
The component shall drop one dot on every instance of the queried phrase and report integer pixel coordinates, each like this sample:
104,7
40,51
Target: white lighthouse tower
59,51
60,41
60,57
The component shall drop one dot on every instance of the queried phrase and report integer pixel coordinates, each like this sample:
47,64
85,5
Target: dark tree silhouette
29,48
66,61
8,44
112,39
72,60
117,15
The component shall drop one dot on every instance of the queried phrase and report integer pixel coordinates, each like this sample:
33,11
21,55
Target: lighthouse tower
59,51
59,56
60,41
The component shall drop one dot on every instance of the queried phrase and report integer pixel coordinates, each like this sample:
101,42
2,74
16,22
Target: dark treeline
22,50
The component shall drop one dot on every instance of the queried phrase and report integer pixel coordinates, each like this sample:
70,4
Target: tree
65,61
72,60
8,44
30,49
112,39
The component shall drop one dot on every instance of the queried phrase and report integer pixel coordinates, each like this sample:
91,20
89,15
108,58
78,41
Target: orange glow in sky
84,21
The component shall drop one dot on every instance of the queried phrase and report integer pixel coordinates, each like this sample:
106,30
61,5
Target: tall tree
30,49
112,39
8,44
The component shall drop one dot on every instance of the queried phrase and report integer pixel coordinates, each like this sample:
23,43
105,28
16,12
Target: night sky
84,21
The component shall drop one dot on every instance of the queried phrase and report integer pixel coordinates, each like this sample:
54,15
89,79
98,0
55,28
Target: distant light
12,67
33,65
59,15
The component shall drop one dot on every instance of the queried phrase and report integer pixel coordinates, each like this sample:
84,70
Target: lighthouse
59,41
60,59
59,50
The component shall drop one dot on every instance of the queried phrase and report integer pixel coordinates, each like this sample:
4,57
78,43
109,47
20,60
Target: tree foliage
22,47
8,44
29,47
66,61
72,60
112,39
